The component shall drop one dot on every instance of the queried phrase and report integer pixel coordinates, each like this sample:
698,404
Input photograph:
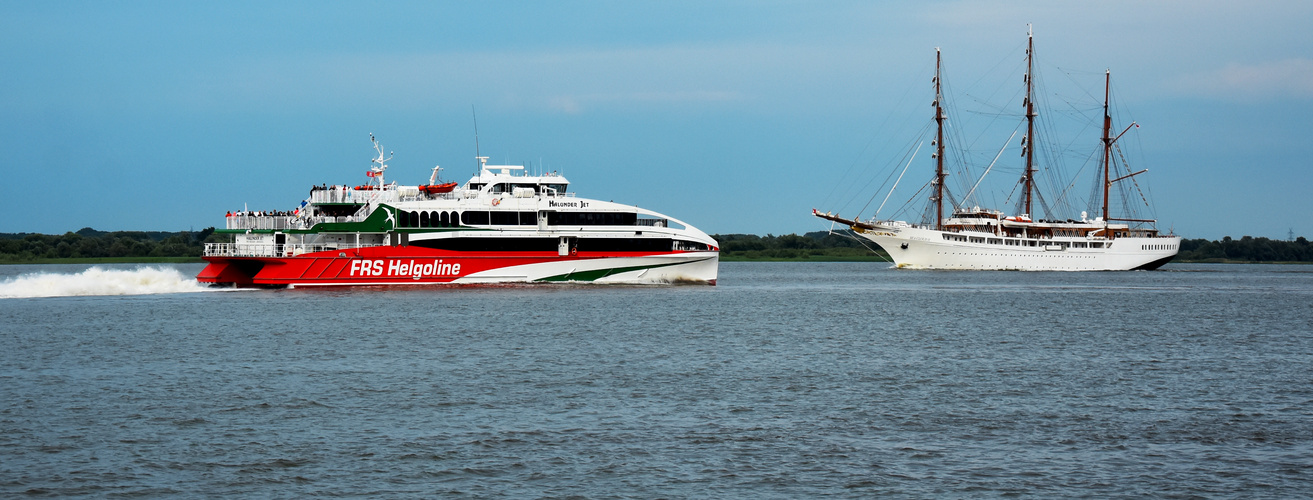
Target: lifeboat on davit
438,188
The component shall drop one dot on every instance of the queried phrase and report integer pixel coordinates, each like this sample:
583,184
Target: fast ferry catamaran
984,239
502,226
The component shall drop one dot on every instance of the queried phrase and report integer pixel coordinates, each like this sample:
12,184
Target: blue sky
733,116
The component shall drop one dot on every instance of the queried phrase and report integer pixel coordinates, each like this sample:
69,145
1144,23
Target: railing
368,196
274,250
277,222
261,222
348,195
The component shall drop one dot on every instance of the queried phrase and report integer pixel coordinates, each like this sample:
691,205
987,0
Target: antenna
476,137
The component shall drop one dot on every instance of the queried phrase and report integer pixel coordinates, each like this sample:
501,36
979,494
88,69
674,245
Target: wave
100,281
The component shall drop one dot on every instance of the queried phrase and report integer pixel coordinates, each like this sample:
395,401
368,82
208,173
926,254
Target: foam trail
99,281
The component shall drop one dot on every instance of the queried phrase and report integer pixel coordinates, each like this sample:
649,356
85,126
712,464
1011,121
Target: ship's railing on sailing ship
275,250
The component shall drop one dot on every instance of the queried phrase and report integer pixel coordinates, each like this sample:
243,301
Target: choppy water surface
787,380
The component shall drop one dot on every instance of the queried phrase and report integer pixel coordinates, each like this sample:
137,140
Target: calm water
786,381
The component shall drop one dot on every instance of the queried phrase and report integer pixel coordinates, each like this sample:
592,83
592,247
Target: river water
787,380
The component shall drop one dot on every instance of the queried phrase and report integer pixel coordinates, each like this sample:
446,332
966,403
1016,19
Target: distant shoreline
108,260
723,258
89,246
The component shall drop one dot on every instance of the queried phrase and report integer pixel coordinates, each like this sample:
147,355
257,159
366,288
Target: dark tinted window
477,218
490,244
591,219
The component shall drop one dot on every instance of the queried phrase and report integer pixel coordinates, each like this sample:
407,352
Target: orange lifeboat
438,188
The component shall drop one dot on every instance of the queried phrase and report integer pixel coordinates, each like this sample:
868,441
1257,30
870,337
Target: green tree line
1246,249
89,243
819,245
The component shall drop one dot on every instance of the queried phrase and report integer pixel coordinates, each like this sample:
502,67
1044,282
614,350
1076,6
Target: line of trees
1248,249
89,243
819,245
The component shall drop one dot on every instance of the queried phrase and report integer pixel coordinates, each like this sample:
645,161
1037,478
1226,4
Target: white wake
99,281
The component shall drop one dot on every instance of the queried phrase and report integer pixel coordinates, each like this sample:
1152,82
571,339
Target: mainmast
1107,144
1028,142
939,150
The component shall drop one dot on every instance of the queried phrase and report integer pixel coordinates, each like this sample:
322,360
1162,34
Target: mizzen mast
939,147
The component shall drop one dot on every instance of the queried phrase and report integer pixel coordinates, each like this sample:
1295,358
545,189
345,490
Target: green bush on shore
89,245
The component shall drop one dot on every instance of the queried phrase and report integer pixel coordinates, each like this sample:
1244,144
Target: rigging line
1128,169
863,242
876,192
1072,183
1009,198
852,190
961,154
1067,73
1044,204
957,158
912,199
1020,47
991,165
880,128
1054,169
900,178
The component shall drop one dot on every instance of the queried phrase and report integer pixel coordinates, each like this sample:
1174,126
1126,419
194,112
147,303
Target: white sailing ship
971,237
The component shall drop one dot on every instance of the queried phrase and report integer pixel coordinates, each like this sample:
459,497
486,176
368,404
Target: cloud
1267,81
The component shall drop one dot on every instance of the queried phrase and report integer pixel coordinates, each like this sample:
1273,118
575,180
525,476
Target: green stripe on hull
598,274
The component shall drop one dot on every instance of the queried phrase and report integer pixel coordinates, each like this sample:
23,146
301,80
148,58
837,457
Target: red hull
376,266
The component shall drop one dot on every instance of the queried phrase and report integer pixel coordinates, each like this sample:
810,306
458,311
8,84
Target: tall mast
1028,142
1107,144
939,151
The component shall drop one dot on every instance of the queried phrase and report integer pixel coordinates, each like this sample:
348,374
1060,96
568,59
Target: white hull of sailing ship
920,248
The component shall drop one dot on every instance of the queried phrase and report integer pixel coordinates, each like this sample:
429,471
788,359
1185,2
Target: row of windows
506,187
427,219
1024,242
1157,247
591,219
503,218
